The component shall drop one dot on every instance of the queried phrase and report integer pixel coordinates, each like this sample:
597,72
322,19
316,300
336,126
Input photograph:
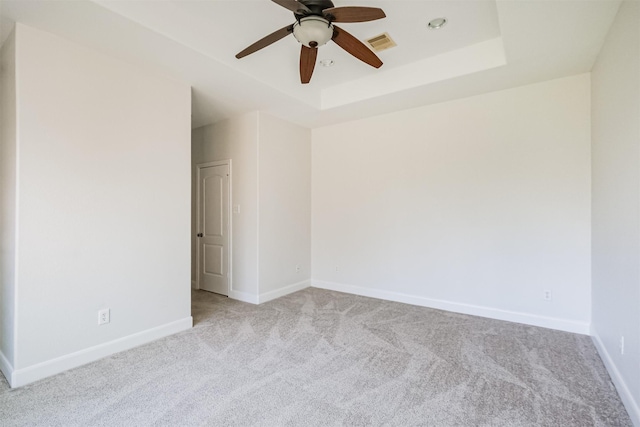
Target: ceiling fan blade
353,14
308,57
355,47
266,41
293,6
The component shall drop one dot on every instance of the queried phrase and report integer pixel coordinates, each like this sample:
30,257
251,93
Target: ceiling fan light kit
314,27
313,31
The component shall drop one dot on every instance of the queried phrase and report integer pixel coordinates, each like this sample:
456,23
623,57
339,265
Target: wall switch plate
104,316
547,295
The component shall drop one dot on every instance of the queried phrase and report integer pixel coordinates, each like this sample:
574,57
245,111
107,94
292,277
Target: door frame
199,168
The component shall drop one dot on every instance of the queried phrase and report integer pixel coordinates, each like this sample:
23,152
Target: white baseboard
268,296
271,295
243,296
5,367
51,367
631,405
474,310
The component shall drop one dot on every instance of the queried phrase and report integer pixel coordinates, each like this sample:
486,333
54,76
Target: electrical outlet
622,345
337,269
104,316
297,268
547,295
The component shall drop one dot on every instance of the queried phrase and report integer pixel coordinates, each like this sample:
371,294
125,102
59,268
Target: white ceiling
485,46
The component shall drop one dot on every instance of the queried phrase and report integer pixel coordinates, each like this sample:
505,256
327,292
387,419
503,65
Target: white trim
243,296
271,295
230,230
200,166
5,367
474,310
18,197
51,367
630,404
258,206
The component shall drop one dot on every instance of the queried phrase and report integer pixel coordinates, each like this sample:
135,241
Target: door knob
199,234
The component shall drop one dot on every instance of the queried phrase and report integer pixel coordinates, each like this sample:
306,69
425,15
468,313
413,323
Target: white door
213,228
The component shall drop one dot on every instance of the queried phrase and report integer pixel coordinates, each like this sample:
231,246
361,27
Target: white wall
197,136
285,207
196,143
103,202
476,205
616,203
237,139
7,203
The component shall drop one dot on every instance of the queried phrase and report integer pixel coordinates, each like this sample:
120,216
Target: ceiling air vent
381,42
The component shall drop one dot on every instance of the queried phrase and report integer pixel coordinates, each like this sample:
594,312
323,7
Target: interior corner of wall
6,368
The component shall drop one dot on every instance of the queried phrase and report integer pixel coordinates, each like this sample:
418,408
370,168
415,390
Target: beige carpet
320,358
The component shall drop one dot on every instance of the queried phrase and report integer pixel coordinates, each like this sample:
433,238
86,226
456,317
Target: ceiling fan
314,27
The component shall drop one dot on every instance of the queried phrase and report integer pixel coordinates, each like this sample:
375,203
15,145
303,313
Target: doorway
213,227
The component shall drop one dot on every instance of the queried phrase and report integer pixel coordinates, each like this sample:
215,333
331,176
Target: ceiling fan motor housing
316,6
313,31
